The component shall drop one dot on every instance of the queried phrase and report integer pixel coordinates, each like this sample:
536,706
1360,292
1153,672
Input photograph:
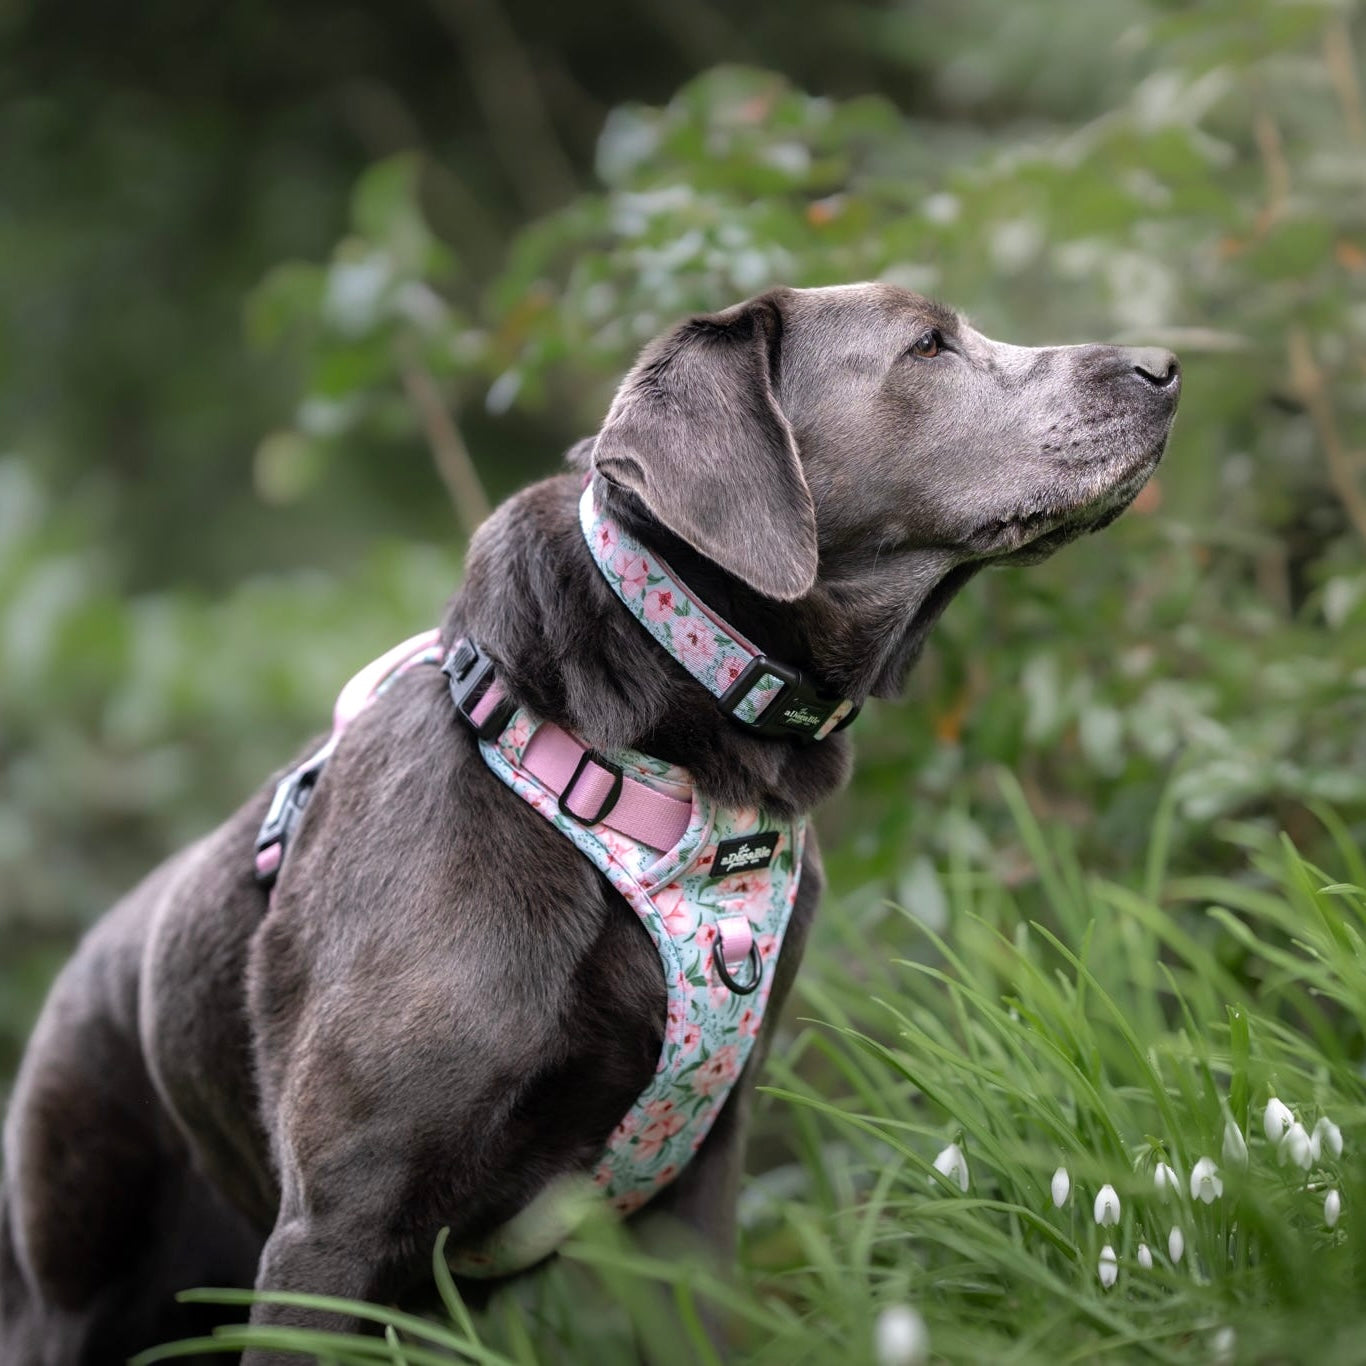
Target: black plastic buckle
469,671
796,710
608,802
286,810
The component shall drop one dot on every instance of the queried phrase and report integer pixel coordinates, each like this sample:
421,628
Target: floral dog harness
714,887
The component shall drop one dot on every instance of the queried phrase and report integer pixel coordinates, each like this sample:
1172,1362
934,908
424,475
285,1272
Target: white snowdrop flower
1296,1147
900,1337
1332,1208
1206,1184
1326,1137
1223,1345
1061,1187
1277,1120
1176,1243
1107,1206
1165,1179
941,208
1235,1145
1108,1267
954,1165
1145,1257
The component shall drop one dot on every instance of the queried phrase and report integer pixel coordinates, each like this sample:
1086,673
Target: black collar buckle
798,710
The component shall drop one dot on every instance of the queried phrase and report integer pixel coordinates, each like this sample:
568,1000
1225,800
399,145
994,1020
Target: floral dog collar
763,694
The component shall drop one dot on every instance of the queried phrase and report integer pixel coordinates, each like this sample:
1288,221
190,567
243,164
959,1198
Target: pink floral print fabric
706,648
709,1030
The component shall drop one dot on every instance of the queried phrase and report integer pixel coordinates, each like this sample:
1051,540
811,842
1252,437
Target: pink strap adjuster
591,789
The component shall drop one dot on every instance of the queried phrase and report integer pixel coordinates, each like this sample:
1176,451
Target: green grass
1100,1026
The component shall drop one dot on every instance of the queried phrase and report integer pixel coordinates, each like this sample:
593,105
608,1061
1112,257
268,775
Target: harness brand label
745,854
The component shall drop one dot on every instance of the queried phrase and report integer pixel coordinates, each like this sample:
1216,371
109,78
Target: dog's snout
1156,366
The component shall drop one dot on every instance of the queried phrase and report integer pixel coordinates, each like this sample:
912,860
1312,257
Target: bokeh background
287,291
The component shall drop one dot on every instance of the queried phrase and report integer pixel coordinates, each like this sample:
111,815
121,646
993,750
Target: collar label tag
802,716
745,854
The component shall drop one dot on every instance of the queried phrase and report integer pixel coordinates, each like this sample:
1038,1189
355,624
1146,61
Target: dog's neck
570,651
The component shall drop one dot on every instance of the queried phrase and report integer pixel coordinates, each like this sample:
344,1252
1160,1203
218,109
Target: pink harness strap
376,675
586,784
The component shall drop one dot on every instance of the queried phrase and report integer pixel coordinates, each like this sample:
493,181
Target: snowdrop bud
1205,1181
954,1165
1145,1257
1332,1208
1108,1267
1296,1147
1165,1179
900,1337
1062,1186
1176,1244
1235,1145
1326,1137
1107,1206
1277,1120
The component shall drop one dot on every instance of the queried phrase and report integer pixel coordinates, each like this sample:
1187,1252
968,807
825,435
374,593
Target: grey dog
446,1006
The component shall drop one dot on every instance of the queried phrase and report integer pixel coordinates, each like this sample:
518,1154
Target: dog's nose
1159,368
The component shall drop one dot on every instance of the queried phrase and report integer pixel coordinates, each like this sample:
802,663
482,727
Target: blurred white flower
1061,1187
1295,1147
1108,1267
1235,1145
1176,1244
941,208
1206,1184
1107,1206
954,1165
1223,1345
1326,1137
900,1337
1332,1208
1165,1179
1145,1257
1277,1120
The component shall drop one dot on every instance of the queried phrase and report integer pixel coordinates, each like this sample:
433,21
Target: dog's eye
927,344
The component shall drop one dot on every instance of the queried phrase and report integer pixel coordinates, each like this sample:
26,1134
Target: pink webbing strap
737,938
553,757
361,690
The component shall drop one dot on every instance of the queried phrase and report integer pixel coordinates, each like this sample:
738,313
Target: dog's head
860,451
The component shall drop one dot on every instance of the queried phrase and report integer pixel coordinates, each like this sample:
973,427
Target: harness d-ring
756,969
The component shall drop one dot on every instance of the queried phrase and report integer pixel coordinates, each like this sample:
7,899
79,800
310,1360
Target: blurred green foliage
199,543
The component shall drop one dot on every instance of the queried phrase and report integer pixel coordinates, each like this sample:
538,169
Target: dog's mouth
1034,532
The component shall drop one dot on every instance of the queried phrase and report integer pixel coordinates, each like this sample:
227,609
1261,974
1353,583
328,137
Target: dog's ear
696,432
580,455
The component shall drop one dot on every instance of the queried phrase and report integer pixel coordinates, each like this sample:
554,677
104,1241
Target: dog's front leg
340,1255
